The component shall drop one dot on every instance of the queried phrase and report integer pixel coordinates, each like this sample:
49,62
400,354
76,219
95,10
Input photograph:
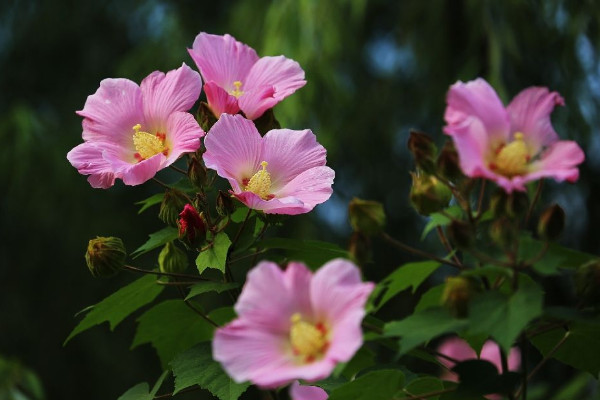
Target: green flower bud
366,216
551,223
172,259
428,194
423,150
225,204
206,118
105,256
197,172
448,164
503,232
457,294
360,248
587,282
461,234
171,206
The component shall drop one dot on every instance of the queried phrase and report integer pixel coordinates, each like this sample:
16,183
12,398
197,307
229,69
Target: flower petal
219,100
136,173
289,205
290,153
559,161
112,111
178,90
529,114
233,149
87,158
477,100
256,101
302,392
183,135
222,59
471,143
311,187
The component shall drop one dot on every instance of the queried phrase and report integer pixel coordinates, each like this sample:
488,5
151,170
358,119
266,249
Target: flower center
260,183
147,144
308,340
512,159
237,92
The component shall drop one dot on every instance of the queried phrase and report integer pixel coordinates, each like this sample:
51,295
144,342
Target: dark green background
375,69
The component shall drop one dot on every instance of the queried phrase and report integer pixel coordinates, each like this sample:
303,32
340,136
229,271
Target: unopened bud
206,118
192,228
366,216
197,172
172,259
551,223
225,204
172,204
360,248
423,150
105,256
448,164
587,282
461,234
428,194
458,291
503,232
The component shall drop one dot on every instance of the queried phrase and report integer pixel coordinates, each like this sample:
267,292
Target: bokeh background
375,69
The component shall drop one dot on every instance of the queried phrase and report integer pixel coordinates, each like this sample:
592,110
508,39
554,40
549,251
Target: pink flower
236,78
293,324
283,172
130,132
512,145
301,392
460,350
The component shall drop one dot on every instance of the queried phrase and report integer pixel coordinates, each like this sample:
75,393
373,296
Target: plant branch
186,390
425,396
191,306
446,243
174,275
418,252
536,197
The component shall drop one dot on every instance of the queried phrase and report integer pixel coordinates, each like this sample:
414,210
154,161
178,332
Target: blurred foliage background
375,69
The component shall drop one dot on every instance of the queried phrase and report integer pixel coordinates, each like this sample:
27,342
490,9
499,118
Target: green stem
418,252
172,274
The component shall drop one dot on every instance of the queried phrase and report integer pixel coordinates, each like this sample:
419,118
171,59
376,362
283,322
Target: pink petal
289,205
491,352
477,100
274,375
530,114
281,75
233,149
457,349
183,135
471,143
289,153
302,392
559,161
134,174
87,158
311,187
112,111
219,100
178,90
222,59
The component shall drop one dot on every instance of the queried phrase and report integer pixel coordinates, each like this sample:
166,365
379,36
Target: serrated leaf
171,327
141,391
216,255
155,240
196,366
504,316
438,219
405,276
119,305
150,201
313,252
205,287
375,385
420,328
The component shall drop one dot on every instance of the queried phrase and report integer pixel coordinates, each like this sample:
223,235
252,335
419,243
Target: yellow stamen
260,183
512,159
307,340
237,92
147,144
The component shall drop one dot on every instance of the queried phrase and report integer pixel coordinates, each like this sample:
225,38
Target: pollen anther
147,144
307,340
237,90
512,158
260,183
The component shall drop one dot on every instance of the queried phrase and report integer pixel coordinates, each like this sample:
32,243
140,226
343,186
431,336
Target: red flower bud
192,228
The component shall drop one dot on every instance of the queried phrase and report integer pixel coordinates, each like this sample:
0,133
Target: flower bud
457,293
105,256
503,232
192,228
172,204
587,282
461,234
206,118
448,162
225,204
366,216
423,150
197,172
172,259
551,223
428,194
360,248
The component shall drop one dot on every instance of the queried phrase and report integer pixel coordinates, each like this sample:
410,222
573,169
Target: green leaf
363,359
119,305
171,327
239,215
204,287
437,219
197,367
421,327
141,391
313,252
423,385
155,240
556,256
375,385
216,255
505,316
150,201
407,275
431,298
